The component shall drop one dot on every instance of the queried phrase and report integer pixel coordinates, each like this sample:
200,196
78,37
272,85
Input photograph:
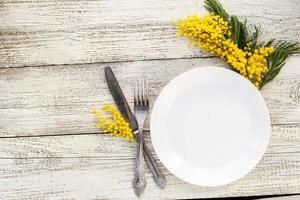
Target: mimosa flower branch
232,40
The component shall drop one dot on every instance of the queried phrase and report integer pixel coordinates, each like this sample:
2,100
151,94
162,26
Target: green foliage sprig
242,36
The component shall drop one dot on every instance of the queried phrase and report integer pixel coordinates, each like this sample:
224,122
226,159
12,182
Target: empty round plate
210,126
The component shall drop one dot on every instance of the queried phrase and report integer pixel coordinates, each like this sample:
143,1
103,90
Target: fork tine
135,92
140,92
145,92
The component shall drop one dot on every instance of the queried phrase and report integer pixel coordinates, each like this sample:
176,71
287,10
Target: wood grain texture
58,99
66,32
43,103
99,166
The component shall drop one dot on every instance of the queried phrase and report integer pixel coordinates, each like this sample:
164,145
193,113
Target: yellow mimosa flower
116,125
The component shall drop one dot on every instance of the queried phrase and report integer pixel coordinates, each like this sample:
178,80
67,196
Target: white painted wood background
52,55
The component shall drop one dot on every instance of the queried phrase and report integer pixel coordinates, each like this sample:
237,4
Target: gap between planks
114,62
97,133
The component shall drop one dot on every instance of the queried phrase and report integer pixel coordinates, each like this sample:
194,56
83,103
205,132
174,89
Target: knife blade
119,98
125,110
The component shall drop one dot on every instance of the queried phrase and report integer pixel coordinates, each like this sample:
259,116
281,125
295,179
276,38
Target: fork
141,111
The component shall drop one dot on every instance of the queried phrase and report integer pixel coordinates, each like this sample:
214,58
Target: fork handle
139,182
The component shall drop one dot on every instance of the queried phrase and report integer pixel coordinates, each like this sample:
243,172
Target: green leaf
252,38
214,6
235,29
276,60
240,33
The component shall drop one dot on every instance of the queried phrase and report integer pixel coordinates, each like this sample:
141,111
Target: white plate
210,126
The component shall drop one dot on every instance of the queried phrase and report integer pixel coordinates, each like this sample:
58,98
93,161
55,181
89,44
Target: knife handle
158,176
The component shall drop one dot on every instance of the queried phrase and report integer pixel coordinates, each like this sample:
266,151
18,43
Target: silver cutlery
125,110
141,111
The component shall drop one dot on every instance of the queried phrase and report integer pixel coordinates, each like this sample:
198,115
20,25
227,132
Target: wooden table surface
52,55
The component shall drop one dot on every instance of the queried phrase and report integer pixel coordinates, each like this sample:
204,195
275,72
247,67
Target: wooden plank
58,99
93,166
65,32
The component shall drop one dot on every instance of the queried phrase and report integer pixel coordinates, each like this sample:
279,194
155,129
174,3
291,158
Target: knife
125,110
